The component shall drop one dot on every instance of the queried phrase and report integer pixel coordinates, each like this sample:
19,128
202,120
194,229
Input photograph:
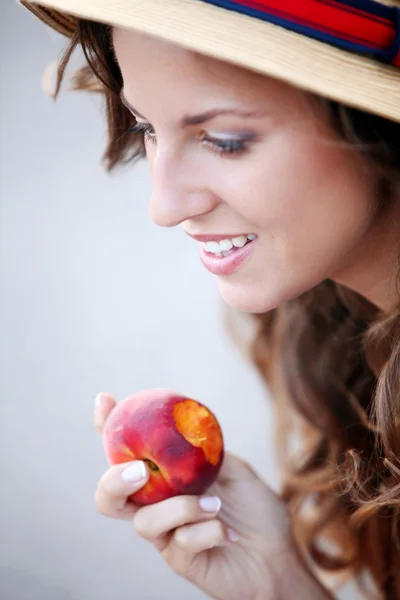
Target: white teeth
240,241
213,247
225,245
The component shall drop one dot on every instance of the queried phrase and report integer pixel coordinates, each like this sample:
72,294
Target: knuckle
99,502
140,525
181,538
105,483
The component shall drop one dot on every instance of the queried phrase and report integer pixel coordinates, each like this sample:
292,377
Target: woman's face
267,166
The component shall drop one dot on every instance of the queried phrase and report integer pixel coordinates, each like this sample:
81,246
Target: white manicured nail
232,535
136,472
210,504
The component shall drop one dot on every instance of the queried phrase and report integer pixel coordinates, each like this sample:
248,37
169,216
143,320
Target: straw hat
345,50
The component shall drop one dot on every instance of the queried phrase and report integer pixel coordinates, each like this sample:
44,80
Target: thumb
104,404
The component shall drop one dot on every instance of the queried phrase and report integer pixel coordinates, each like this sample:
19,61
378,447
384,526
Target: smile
221,261
226,247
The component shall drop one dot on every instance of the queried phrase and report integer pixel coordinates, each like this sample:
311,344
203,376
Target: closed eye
228,146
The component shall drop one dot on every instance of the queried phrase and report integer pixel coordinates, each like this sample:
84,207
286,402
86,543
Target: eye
144,128
221,147
225,146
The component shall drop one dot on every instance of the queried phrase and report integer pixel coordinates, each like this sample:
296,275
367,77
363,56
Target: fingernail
210,504
232,535
136,472
100,401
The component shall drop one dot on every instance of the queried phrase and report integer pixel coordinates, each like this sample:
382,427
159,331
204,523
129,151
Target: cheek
326,207
311,204
306,193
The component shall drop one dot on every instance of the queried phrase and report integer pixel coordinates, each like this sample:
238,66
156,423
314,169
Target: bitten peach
178,438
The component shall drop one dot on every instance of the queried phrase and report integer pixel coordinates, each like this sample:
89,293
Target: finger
103,406
155,522
115,487
185,551
202,536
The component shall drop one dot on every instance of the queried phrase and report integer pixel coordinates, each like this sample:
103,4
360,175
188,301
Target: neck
373,265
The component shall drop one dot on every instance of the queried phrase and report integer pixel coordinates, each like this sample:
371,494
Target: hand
234,548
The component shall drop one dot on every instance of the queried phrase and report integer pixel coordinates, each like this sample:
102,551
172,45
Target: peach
178,438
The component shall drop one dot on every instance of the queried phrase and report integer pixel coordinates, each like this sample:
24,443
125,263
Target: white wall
93,297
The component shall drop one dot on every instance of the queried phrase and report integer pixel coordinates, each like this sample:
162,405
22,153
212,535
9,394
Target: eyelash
225,147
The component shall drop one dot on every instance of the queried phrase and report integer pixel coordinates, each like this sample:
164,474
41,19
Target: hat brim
314,66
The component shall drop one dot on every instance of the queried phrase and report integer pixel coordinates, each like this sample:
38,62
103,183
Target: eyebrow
208,115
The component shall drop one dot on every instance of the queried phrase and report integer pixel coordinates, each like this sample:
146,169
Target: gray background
94,297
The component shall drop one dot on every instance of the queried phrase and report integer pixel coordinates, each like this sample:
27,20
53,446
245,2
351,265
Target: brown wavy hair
330,358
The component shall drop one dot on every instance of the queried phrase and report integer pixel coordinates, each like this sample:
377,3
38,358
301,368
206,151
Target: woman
272,132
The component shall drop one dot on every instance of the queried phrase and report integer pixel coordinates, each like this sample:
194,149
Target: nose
180,189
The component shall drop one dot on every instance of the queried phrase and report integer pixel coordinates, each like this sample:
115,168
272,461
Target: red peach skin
179,439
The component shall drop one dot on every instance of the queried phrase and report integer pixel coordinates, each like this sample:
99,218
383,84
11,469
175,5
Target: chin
261,299
249,300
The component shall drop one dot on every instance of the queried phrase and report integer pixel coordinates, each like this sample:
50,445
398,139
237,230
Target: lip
227,265
216,237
